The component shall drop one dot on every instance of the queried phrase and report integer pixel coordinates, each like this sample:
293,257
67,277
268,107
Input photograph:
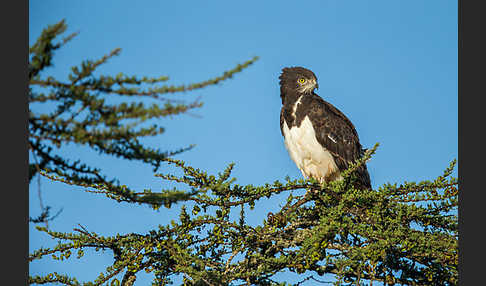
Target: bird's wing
335,132
281,121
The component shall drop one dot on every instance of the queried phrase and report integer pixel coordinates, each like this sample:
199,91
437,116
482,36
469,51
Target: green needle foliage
81,114
396,234
405,234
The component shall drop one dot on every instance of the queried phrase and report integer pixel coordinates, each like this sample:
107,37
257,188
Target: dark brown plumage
306,119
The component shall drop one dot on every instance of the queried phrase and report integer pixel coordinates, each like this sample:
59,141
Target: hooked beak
317,85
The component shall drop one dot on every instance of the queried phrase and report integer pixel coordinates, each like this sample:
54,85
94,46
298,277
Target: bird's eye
301,80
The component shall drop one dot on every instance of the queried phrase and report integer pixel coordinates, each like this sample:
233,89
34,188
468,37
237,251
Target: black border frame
15,49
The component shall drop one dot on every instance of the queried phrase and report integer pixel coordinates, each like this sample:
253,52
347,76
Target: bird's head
297,79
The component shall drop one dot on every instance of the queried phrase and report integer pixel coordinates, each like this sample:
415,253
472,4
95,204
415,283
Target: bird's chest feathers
308,154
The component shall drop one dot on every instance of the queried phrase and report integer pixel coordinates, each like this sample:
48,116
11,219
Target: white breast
311,158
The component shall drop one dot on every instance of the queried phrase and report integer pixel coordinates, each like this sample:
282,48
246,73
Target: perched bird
320,139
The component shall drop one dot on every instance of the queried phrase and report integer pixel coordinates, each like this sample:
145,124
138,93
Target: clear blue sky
390,66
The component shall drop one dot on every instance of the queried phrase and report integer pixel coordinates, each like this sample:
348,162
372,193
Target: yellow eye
301,80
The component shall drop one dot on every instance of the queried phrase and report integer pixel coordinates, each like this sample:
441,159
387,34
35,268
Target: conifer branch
83,117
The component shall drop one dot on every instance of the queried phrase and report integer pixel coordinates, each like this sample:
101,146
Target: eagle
319,138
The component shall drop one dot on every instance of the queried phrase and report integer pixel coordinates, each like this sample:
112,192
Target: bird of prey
320,139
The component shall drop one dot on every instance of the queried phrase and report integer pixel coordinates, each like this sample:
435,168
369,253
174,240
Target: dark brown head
297,80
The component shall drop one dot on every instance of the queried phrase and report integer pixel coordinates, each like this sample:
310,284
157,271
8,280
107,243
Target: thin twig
39,193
